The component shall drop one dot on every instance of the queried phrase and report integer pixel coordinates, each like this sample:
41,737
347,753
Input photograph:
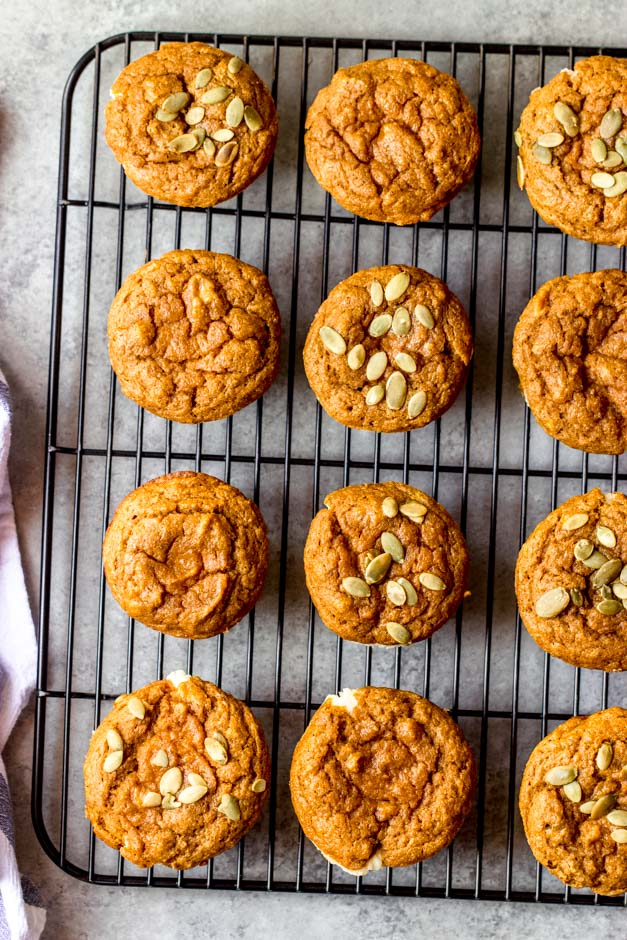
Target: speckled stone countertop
39,43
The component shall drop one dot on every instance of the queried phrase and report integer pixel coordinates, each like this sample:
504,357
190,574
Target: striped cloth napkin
22,914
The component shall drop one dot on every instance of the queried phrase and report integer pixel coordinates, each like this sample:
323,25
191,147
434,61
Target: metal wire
486,861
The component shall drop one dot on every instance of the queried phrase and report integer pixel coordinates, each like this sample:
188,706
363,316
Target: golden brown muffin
573,802
195,336
191,124
385,564
573,150
392,139
571,581
381,777
570,352
186,554
176,773
389,349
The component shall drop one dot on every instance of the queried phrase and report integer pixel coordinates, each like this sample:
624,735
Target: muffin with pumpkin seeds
191,124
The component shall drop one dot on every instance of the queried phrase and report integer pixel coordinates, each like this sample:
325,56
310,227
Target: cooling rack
486,460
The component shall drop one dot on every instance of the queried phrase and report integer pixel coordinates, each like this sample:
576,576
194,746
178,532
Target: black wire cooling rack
486,460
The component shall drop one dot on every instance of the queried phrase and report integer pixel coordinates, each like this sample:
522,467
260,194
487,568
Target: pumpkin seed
605,536
612,160
619,835
576,521
183,143
398,632
396,286
196,780
587,807
258,785
356,587
114,740
576,597
542,154
171,781
602,806
560,776
175,102
618,817
222,135
378,568
518,138
611,122
619,187
606,592
520,172
159,758
377,365
602,180
604,756
380,325
395,391
112,761
414,511
194,116
620,590
609,608
333,340
607,572
168,802
229,807
424,316
216,95
356,357
199,133
375,394
252,119
552,603
583,549
216,750
235,65
621,147
401,322
572,791
431,581
136,707
235,112
166,116
596,560
227,153
392,546
416,404
203,78
550,140
376,293
220,737
396,593
598,150
410,592
405,362
389,507
192,794
151,799
567,118
209,147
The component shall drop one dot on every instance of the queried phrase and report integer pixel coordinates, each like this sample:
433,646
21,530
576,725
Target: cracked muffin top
385,564
573,150
191,124
195,336
570,352
186,554
176,773
392,140
381,777
571,581
573,802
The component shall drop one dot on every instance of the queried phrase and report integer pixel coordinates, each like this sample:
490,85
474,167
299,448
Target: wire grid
485,459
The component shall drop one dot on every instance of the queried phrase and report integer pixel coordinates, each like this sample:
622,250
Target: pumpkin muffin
195,336
186,554
571,582
389,349
191,124
573,802
381,777
393,140
385,564
573,150
176,773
